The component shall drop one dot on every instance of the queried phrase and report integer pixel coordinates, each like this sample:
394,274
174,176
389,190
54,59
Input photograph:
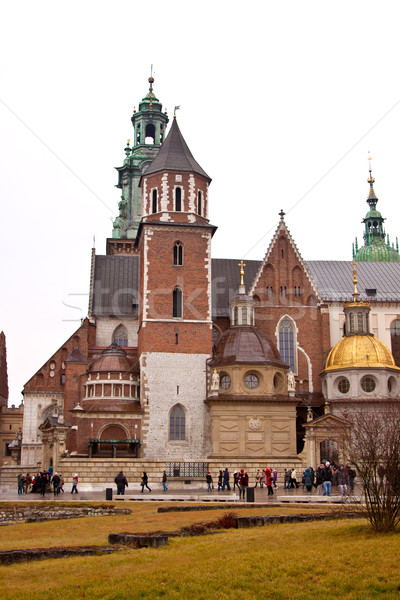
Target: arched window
177,303
120,336
178,199
199,203
177,423
395,340
178,254
244,315
154,202
150,136
287,343
236,316
360,321
351,322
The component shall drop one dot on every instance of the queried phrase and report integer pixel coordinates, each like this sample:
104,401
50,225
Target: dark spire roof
175,155
3,370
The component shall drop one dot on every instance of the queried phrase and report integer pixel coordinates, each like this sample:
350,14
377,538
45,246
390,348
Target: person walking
257,478
209,481
293,477
327,479
20,483
121,482
75,484
286,479
236,481
28,483
275,477
220,477
319,479
43,483
308,479
144,483
164,481
55,480
242,484
341,479
269,481
226,483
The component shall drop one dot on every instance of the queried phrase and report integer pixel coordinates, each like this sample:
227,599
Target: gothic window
154,201
178,254
177,423
395,340
178,199
287,343
199,203
177,303
120,336
244,315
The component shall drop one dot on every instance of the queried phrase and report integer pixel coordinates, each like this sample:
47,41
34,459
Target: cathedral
188,363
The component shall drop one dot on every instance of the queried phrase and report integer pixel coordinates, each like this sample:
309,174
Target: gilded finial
128,141
370,180
241,265
151,79
134,109
355,281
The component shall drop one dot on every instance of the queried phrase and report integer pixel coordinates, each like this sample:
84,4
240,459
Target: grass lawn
341,559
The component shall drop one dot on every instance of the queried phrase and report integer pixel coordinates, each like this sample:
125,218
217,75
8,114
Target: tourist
235,481
351,476
145,482
220,477
225,483
75,484
209,481
28,483
294,478
257,478
269,481
122,483
286,479
327,479
319,479
55,480
164,481
242,484
341,479
275,477
43,483
262,479
308,479
20,483
61,486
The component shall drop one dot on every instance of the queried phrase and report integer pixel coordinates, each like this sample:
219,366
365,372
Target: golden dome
359,351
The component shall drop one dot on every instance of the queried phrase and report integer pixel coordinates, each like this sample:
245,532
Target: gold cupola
358,348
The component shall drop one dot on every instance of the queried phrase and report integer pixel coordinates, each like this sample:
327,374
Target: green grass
322,560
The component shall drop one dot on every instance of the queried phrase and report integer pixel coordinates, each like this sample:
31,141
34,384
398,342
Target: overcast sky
280,104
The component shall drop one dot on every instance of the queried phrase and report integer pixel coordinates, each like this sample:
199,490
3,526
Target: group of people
241,480
44,482
328,474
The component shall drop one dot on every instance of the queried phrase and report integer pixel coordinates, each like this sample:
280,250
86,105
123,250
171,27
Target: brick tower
175,326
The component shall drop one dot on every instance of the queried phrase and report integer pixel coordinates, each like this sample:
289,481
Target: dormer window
178,199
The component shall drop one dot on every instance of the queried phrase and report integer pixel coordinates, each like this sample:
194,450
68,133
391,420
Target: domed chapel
187,363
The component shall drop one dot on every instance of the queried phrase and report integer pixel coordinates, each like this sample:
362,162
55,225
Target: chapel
189,363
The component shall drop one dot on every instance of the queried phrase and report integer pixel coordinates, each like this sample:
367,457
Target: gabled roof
282,228
174,155
116,285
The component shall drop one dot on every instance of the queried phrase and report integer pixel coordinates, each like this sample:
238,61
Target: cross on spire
241,265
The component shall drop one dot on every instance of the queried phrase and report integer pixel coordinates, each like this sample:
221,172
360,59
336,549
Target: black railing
186,469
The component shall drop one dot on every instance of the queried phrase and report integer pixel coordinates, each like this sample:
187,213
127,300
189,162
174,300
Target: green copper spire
376,247
149,125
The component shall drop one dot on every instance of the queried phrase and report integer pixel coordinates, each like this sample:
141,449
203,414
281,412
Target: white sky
280,104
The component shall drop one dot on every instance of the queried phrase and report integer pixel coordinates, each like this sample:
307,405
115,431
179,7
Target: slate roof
116,285
116,282
334,280
174,155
